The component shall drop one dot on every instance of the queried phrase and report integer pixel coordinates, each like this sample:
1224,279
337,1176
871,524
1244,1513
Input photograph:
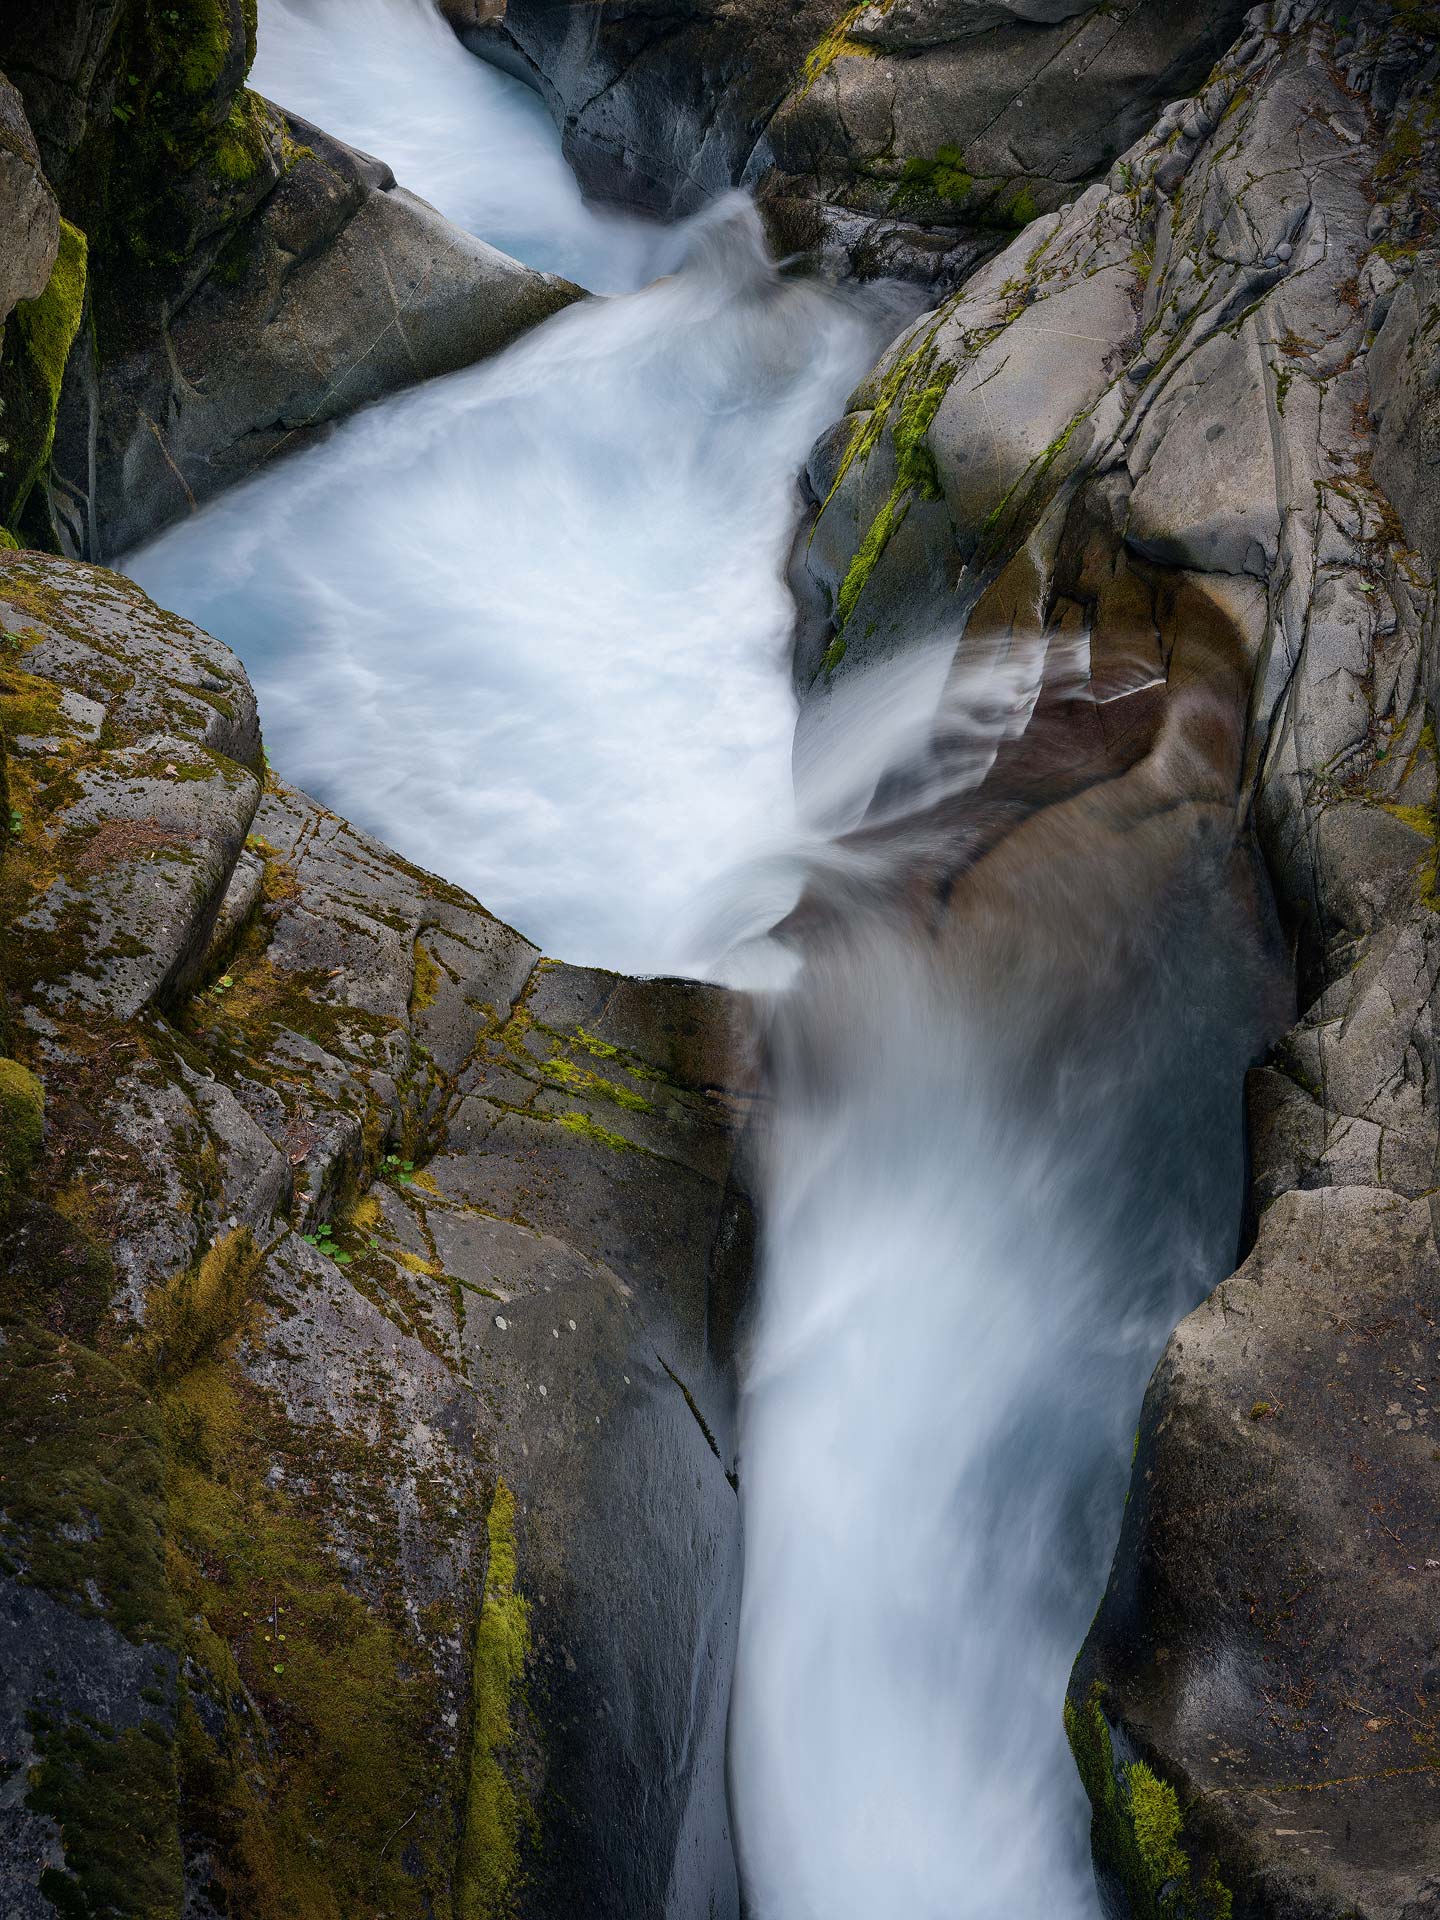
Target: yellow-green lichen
577,1079
426,990
910,409
202,1306
497,1814
583,1125
838,44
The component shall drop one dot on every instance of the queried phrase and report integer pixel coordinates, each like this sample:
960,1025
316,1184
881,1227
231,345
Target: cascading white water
390,77
1006,1159
529,623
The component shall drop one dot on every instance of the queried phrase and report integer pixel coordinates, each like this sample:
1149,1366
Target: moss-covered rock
22,1129
497,1814
33,356
323,1189
113,1797
1137,1827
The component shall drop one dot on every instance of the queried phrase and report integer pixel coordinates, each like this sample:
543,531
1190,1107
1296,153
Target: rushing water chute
1006,1157
530,622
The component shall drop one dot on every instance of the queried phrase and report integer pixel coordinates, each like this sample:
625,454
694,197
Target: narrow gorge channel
530,624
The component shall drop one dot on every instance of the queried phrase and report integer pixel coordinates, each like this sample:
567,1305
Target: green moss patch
838,44
1138,1828
38,339
497,1812
114,1797
22,1129
577,1079
587,1129
945,179
908,401
302,1810
82,1481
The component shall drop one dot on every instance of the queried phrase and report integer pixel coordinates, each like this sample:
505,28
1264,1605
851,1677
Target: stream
529,623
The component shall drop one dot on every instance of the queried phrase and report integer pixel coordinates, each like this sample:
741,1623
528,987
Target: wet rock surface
1269,1632
904,137
402,1264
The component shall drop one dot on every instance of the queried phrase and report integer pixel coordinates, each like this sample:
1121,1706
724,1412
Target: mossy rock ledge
221,281
366,1426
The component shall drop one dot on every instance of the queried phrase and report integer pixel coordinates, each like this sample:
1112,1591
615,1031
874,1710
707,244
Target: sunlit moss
838,44
1138,1827
496,1810
912,411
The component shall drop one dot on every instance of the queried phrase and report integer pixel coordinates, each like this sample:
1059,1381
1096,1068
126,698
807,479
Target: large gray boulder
1267,1646
27,206
367,1477
339,288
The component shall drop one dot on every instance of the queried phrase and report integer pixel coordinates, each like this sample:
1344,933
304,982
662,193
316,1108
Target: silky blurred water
529,623
390,77
1004,1157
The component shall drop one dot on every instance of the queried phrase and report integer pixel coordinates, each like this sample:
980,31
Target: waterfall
1006,1158
530,624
